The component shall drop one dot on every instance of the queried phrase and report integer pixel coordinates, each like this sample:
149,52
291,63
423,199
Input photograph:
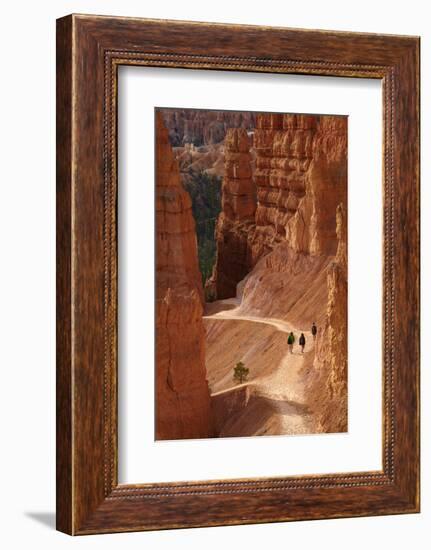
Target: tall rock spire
182,395
236,220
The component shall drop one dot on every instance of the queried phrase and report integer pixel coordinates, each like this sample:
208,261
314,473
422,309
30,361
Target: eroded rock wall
312,228
331,354
301,236
291,196
203,127
284,149
301,169
294,251
236,222
182,395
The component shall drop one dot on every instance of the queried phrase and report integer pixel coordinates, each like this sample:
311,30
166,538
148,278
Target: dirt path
231,314
283,387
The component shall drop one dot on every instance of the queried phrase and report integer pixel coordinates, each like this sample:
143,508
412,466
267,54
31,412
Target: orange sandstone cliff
198,136
182,395
290,249
331,353
236,221
203,127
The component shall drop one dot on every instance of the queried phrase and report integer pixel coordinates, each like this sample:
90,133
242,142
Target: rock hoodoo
331,355
182,395
236,222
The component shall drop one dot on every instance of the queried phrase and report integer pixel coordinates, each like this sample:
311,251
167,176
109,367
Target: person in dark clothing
302,341
290,341
314,330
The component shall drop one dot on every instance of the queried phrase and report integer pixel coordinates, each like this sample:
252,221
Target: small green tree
240,372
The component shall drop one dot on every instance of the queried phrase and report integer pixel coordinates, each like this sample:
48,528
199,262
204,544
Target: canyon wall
197,137
182,395
291,255
313,227
331,353
203,127
301,170
236,222
284,149
290,197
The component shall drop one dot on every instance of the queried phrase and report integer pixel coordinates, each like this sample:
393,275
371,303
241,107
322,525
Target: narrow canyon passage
273,399
251,244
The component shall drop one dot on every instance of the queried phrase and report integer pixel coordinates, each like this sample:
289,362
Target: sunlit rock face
182,395
331,356
239,194
283,145
283,187
282,243
300,176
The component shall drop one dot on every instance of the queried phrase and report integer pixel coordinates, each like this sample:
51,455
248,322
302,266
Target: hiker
314,330
302,341
290,341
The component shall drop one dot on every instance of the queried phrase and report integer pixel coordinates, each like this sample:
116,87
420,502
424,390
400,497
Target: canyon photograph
251,274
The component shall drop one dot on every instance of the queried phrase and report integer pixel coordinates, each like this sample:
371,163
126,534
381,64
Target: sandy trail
283,387
231,314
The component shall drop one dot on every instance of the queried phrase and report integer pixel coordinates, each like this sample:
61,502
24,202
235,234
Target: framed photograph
237,274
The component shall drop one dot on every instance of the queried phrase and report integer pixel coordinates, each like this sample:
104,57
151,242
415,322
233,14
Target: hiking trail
282,388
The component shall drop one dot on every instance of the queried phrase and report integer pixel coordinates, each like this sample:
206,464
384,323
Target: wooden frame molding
89,51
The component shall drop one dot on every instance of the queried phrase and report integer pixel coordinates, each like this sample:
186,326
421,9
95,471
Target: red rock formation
283,145
203,127
182,395
237,219
301,169
295,255
331,356
312,229
301,173
299,179
239,195
287,285
281,247
208,159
